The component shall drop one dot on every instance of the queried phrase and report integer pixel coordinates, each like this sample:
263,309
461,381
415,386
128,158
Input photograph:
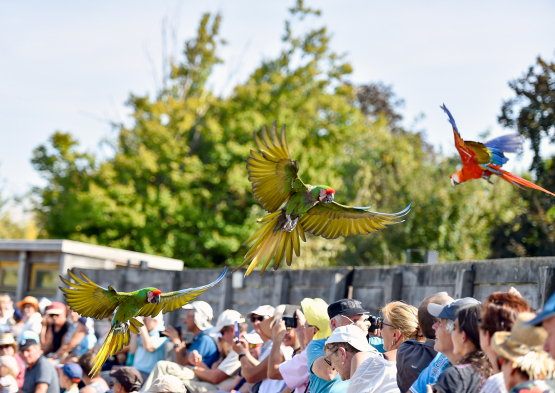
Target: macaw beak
454,182
156,299
328,198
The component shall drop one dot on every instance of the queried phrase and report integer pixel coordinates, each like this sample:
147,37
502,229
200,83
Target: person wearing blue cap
546,318
72,374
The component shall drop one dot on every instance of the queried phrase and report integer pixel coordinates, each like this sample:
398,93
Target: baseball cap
24,344
450,311
345,307
353,335
28,334
227,318
167,384
73,371
253,338
265,310
55,308
547,312
129,378
203,313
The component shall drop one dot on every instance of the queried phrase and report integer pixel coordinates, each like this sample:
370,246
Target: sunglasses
381,325
259,319
327,358
361,319
4,347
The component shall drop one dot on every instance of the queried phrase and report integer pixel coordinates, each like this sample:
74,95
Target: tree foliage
532,113
177,184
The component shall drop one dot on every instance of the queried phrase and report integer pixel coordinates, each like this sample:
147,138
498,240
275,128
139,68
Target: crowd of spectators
445,345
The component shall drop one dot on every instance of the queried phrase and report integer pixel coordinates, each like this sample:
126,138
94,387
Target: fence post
394,287
546,284
464,283
225,294
281,287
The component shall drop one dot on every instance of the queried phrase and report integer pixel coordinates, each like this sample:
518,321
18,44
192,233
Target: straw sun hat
523,345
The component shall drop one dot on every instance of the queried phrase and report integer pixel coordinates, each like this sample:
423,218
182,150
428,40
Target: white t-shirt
375,374
34,323
273,385
231,364
5,321
495,384
9,384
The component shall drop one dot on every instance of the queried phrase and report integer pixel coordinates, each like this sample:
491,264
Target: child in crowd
8,374
72,374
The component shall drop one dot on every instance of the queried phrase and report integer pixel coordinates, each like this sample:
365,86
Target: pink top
295,372
21,375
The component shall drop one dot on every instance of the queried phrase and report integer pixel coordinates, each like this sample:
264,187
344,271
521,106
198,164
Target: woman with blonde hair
399,324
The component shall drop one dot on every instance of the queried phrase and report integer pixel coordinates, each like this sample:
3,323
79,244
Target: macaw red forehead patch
157,292
330,191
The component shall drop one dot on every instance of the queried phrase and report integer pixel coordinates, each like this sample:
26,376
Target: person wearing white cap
198,377
260,314
348,351
256,370
197,318
167,384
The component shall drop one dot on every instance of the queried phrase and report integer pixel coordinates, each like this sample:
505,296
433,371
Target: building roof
93,251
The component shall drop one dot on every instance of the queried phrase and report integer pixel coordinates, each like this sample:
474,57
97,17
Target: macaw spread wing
173,300
482,153
272,172
89,299
465,153
331,220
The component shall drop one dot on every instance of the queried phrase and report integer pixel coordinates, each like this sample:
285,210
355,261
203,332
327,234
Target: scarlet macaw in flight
481,160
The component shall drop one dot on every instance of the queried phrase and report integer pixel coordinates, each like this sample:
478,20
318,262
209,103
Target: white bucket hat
203,313
353,335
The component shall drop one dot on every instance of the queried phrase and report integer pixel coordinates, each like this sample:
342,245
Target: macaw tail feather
518,181
117,338
273,241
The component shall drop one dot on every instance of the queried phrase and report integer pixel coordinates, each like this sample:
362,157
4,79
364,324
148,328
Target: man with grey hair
445,315
40,375
413,356
198,317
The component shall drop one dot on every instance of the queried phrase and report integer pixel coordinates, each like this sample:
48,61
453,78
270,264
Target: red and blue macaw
481,160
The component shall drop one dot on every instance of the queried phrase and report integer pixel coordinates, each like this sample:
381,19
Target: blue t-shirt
430,374
376,342
145,361
317,385
207,347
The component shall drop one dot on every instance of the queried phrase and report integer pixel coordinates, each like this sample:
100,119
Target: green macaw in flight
93,301
296,207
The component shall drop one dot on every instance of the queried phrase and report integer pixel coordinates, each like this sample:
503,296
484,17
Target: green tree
532,113
177,185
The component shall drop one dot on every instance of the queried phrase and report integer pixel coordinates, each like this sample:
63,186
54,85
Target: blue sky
70,66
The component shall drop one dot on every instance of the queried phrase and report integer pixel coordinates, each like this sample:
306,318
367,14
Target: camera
178,328
290,316
374,322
